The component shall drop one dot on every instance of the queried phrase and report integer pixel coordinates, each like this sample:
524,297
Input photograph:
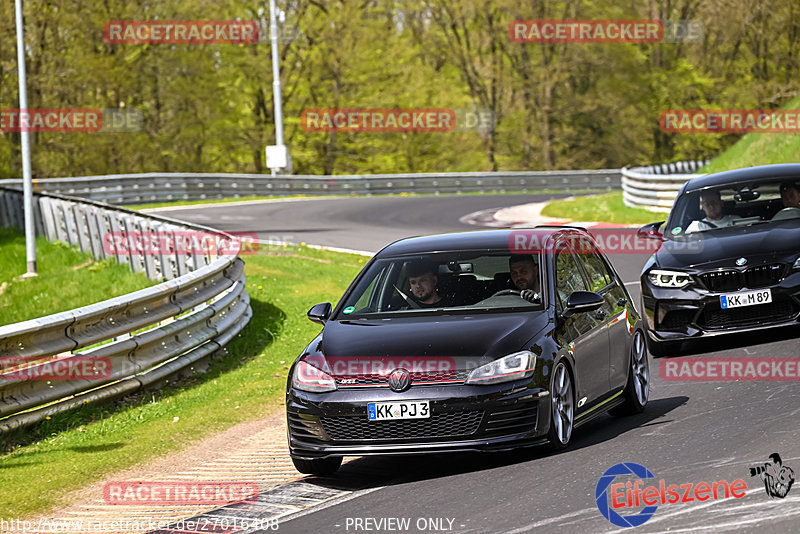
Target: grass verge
67,279
603,208
759,149
77,448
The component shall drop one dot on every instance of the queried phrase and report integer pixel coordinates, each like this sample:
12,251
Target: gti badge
741,261
399,380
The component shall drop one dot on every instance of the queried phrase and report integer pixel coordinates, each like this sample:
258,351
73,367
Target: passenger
790,195
423,279
711,204
525,276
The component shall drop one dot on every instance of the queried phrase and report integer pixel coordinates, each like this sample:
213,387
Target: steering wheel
516,292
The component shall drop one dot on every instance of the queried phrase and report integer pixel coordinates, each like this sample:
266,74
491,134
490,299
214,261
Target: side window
568,276
598,274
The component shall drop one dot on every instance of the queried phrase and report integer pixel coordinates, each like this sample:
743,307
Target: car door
583,332
613,315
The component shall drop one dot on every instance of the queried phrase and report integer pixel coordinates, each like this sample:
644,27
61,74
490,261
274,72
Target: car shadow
377,471
739,341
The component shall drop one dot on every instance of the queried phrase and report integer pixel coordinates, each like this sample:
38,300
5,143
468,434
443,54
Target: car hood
758,244
474,336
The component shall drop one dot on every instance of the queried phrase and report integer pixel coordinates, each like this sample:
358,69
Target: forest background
209,107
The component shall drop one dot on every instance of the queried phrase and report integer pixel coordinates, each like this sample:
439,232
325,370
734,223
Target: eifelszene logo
625,496
777,478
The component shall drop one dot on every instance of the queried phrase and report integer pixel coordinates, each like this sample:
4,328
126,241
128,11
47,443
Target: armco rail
138,339
156,187
656,186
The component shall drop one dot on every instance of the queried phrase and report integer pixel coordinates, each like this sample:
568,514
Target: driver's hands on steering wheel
530,295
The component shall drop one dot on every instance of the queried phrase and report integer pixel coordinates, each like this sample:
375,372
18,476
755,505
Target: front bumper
692,312
463,418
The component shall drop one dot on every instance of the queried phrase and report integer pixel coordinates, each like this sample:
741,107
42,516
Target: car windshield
436,283
718,208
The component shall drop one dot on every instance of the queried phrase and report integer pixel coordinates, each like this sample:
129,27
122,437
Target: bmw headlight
506,369
796,264
306,377
663,278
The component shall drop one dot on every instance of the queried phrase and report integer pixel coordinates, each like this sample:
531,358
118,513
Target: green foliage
209,107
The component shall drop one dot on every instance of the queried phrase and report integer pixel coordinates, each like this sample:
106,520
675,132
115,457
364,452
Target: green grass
759,149
173,203
77,448
601,208
67,279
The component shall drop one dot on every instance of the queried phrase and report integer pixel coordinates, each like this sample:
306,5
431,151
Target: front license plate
745,298
380,411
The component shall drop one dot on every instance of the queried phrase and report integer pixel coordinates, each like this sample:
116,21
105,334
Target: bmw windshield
735,206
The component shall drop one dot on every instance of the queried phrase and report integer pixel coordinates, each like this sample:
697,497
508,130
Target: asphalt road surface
690,433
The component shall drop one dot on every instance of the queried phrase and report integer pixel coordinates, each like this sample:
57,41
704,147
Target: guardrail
655,187
124,343
161,187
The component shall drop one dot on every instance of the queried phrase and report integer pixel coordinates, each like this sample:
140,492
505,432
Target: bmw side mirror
651,231
582,301
319,313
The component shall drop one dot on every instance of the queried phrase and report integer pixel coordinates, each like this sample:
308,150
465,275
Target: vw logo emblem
741,261
399,380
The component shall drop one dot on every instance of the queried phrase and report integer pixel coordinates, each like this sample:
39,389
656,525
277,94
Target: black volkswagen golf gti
485,340
730,258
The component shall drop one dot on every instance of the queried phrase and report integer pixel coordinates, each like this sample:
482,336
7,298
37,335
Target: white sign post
27,181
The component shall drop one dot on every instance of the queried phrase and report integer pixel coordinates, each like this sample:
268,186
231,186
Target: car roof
782,171
497,239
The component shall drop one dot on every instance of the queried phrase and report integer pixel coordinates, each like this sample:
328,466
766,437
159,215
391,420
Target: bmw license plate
380,411
745,298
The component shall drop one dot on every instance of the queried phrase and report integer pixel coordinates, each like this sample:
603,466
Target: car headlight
306,377
662,278
512,367
796,264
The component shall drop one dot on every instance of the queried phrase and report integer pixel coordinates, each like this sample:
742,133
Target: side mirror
582,301
319,313
651,231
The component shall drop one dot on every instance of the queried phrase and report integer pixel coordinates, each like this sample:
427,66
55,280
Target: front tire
637,388
562,411
318,466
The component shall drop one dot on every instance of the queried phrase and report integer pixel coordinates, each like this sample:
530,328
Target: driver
423,279
711,204
790,195
525,276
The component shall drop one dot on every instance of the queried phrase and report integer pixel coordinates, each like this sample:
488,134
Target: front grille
443,425
513,419
420,377
722,280
676,320
763,275
754,277
714,317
